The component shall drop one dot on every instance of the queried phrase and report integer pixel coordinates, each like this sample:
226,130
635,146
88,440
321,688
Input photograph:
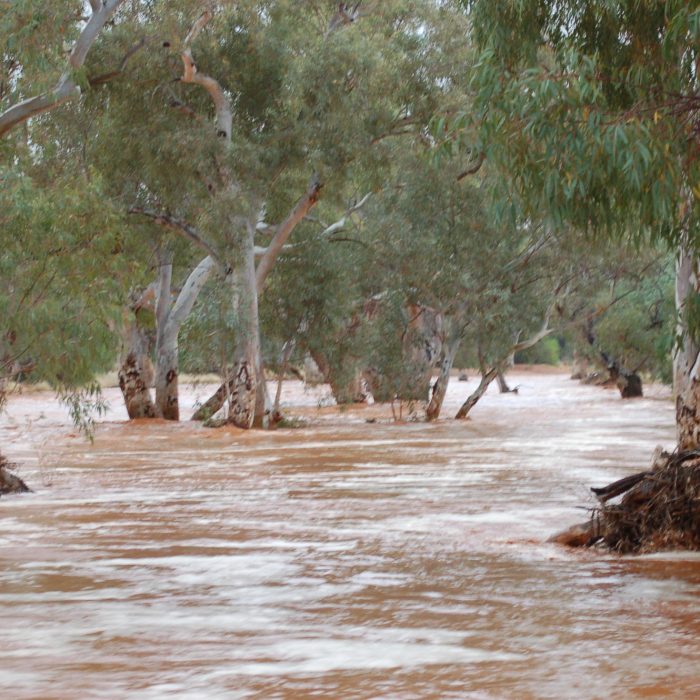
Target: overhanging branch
181,227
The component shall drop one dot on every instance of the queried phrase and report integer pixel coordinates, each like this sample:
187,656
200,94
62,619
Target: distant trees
590,110
245,184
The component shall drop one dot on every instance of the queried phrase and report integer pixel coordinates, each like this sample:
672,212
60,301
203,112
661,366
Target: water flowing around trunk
343,560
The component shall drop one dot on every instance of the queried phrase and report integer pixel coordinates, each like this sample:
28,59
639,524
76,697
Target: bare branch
340,224
346,14
284,230
181,227
473,169
66,88
106,77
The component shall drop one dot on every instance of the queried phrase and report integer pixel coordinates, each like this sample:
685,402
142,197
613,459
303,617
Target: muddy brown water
345,560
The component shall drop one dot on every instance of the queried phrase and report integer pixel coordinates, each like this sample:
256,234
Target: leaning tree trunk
686,381
449,350
136,371
476,395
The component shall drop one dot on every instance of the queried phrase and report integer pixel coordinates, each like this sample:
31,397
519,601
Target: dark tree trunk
503,385
630,385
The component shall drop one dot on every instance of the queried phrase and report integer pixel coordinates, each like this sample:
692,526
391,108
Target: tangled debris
659,509
9,482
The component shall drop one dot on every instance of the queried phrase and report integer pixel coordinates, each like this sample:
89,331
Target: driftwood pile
9,482
659,509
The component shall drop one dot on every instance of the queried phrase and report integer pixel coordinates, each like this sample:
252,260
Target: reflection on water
346,560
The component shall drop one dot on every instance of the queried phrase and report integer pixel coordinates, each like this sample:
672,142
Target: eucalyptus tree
591,111
44,51
234,119
491,285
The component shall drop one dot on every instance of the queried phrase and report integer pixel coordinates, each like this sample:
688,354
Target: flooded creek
342,560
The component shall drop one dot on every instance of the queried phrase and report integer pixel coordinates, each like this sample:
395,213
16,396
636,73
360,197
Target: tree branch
106,77
340,224
190,291
165,277
66,88
284,230
182,227
473,169
222,104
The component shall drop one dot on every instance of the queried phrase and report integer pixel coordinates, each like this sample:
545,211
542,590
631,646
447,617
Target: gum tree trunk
242,398
488,376
169,320
136,371
476,395
686,381
503,384
449,350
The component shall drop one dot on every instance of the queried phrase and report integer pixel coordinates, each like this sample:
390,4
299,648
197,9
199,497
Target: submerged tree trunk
240,387
488,376
243,393
502,384
686,382
136,370
476,395
449,350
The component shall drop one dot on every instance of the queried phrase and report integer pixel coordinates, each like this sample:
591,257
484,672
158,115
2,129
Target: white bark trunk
246,356
449,350
686,380
169,321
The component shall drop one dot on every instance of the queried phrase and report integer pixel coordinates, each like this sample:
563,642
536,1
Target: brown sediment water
343,560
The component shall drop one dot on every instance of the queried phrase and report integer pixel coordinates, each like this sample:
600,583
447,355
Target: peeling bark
243,395
136,370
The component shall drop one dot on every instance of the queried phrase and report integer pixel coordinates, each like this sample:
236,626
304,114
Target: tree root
659,509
